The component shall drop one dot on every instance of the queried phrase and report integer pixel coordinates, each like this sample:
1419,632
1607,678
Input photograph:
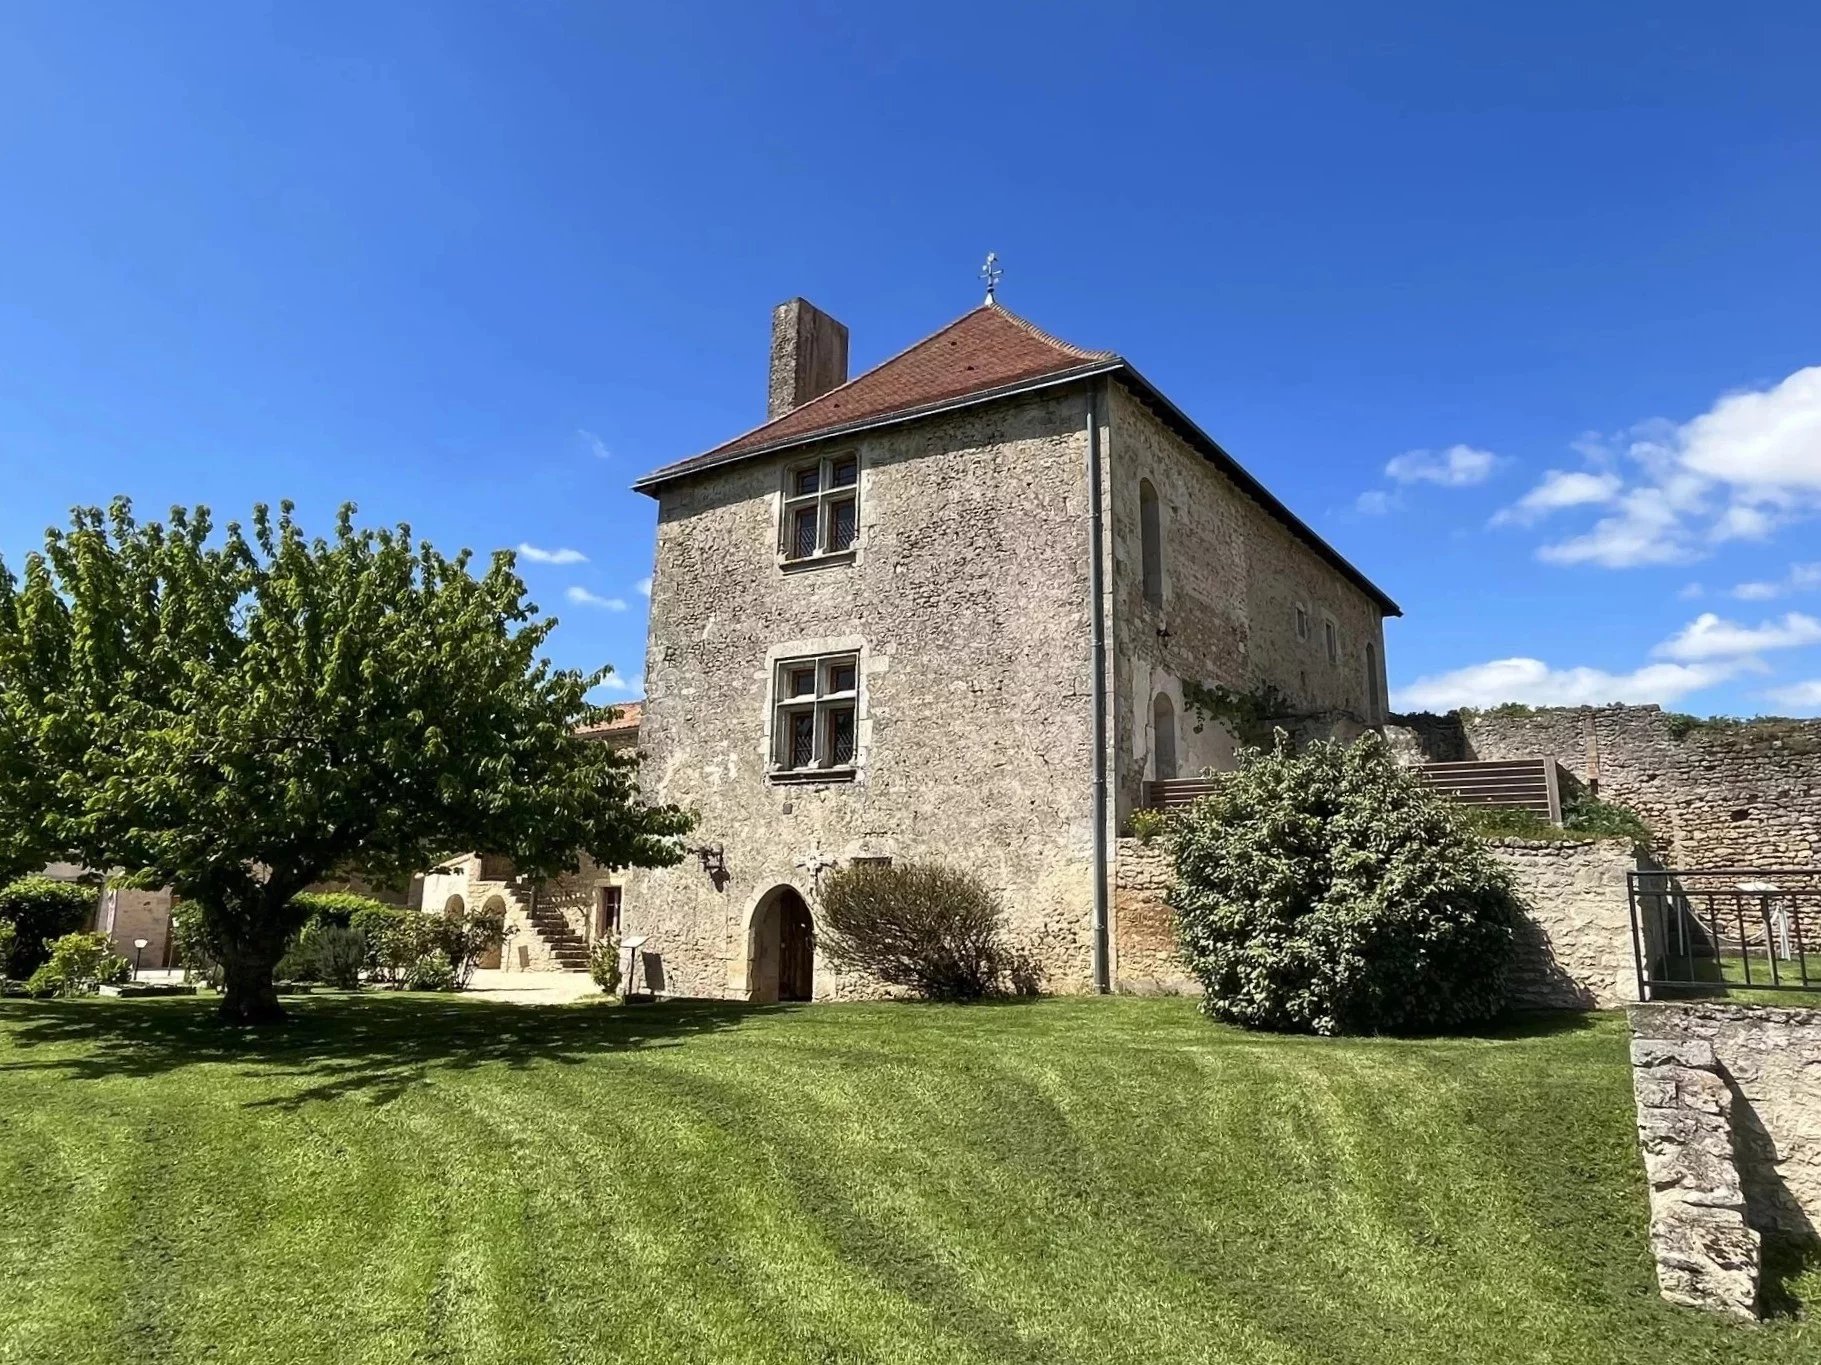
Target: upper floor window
815,707
1150,536
1302,622
821,507
1372,711
1330,634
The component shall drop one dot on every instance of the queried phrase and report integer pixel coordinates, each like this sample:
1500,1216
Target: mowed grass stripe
400,1178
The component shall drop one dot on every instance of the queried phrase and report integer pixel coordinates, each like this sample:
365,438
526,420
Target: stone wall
1719,794
1575,943
1145,961
1729,1119
570,901
1233,577
966,600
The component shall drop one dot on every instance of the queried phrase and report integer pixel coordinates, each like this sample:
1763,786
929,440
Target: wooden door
796,948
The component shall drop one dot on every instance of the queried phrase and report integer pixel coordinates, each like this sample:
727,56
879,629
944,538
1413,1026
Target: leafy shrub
407,938
604,964
1147,824
431,972
7,936
195,948
1331,891
936,931
77,965
41,909
327,953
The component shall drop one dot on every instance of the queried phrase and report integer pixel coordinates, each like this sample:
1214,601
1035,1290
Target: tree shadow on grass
373,1046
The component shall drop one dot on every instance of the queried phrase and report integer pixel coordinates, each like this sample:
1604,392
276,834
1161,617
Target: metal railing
1714,930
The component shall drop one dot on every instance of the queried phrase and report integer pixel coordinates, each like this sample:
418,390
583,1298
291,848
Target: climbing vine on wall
1250,716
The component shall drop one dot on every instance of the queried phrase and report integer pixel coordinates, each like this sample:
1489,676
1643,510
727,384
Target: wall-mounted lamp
713,858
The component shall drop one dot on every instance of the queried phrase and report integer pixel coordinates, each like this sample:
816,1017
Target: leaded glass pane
802,739
841,524
803,532
841,735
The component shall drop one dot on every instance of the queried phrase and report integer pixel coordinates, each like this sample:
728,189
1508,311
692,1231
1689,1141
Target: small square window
821,508
815,723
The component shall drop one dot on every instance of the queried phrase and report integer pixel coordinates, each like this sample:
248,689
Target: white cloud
1561,488
1458,466
1802,696
624,686
539,556
1765,439
596,446
644,587
1709,636
1646,529
583,598
1746,467
1374,502
1800,578
1534,683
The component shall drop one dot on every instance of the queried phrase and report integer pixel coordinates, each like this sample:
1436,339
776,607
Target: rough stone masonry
1729,1121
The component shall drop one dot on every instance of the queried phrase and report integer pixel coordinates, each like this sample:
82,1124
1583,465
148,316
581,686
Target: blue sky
1519,307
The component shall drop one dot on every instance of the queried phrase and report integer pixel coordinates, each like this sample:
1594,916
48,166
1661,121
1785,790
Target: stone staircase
565,945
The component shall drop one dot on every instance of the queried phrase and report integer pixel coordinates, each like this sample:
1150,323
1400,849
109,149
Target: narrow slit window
1150,536
821,508
1331,640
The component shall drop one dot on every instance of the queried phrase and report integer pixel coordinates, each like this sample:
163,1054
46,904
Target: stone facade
1729,1120
1719,794
966,601
1575,943
1233,578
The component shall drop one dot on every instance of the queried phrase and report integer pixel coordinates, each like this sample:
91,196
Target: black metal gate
1712,931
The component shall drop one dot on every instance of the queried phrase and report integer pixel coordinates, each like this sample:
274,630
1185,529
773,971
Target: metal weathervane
990,272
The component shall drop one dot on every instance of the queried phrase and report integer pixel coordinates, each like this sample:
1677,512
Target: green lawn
404,1178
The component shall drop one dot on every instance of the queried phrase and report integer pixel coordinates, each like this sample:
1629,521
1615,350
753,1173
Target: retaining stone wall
1741,794
1729,1120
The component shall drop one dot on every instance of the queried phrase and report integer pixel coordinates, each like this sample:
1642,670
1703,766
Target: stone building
959,608
551,923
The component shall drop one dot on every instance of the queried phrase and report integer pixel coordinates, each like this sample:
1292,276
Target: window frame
1330,630
1374,684
1150,545
826,495
821,703
1305,626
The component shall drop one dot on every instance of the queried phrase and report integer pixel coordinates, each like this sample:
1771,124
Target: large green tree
239,715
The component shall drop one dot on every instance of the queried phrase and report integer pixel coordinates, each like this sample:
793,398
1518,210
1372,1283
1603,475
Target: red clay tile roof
978,352
981,355
625,725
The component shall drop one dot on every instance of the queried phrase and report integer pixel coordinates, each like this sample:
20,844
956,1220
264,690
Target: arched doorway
1163,738
781,948
495,908
453,908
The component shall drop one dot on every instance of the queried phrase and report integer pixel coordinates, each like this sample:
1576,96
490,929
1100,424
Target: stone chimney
808,356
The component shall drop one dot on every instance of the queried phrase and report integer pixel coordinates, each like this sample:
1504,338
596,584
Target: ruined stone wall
1233,576
1575,943
966,600
1729,1120
1718,793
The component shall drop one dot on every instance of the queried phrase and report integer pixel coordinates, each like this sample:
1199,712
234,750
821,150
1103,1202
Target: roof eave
660,477
1233,469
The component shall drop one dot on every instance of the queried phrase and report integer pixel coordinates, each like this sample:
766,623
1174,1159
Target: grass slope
423,1179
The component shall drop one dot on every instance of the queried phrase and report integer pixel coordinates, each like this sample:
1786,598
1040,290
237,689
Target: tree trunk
249,994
